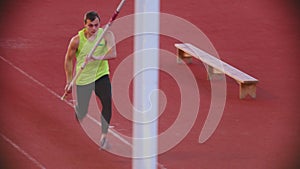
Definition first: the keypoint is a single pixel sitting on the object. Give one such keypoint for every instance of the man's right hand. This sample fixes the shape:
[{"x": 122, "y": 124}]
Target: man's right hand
[{"x": 68, "y": 88}]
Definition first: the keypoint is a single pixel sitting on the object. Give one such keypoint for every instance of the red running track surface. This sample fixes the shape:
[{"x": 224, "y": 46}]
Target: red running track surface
[{"x": 261, "y": 37}]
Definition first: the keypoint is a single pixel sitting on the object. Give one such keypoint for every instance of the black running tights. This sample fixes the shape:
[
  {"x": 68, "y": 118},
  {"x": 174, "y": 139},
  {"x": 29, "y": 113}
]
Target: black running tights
[{"x": 102, "y": 89}]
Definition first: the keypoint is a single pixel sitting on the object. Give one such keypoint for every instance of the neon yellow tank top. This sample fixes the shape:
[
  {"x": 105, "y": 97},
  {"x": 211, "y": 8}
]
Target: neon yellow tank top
[{"x": 95, "y": 69}]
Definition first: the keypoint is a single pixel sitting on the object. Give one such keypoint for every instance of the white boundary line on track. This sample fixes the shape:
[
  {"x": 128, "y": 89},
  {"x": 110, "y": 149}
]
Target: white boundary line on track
[
  {"x": 37, "y": 163},
  {"x": 57, "y": 95},
  {"x": 112, "y": 132},
  {"x": 70, "y": 104}
]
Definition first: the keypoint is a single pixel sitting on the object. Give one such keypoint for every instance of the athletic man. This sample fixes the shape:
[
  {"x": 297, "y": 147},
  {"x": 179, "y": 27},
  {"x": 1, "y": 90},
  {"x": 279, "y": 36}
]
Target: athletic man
[{"x": 95, "y": 75}]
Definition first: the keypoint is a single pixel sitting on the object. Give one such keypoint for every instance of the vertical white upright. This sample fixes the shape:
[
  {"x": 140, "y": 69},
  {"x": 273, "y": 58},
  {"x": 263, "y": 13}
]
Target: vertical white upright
[{"x": 146, "y": 65}]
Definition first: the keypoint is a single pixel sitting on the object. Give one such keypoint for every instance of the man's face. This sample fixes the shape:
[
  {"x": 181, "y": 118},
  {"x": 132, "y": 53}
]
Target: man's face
[{"x": 92, "y": 26}]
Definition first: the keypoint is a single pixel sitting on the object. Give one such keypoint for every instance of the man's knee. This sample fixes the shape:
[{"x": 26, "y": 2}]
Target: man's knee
[{"x": 80, "y": 113}]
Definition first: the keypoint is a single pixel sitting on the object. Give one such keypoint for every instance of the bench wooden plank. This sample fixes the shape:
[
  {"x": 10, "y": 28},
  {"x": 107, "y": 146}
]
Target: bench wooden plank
[{"x": 247, "y": 83}]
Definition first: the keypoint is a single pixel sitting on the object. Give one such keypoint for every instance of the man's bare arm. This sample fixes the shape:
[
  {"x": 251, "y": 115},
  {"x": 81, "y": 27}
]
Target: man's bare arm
[
  {"x": 69, "y": 58},
  {"x": 110, "y": 43}
]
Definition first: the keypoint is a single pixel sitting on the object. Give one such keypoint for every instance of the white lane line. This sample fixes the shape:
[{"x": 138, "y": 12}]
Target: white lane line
[
  {"x": 69, "y": 103},
  {"x": 54, "y": 93},
  {"x": 37, "y": 163},
  {"x": 112, "y": 132},
  {"x": 28, "y": 76}
]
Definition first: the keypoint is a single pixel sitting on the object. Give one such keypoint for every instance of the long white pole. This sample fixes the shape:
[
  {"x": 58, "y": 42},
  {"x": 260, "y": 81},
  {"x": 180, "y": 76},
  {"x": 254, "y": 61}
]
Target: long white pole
[{"x": 146, "y": 61}]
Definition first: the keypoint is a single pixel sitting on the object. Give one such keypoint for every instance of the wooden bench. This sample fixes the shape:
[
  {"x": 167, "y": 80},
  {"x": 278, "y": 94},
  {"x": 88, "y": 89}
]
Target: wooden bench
[{"x": 247, "y": 83}]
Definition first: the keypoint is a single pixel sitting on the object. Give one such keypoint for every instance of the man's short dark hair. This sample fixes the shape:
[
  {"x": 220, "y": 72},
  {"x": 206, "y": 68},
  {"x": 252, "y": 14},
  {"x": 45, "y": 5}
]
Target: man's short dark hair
[{"x": 91, "y": 15}]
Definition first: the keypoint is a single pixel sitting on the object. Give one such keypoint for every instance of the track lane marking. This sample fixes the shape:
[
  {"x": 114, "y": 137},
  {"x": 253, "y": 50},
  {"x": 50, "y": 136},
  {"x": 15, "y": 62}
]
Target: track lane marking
[
  {"x": 28, "y": 156},
  {"x": 70, "y": 104}
]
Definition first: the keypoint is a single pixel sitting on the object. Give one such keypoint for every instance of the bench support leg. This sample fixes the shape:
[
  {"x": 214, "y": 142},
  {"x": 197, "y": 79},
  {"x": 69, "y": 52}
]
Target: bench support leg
[
  {"x": 181, "y": 55},
  {"x": 213, "y": 73},
  {"x": 246, "y": 89}
]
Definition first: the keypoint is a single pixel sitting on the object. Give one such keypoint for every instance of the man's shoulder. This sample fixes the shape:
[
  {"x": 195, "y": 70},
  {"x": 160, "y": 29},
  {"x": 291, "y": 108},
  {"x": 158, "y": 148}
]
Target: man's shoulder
[{"x": 75, "y": 40}]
